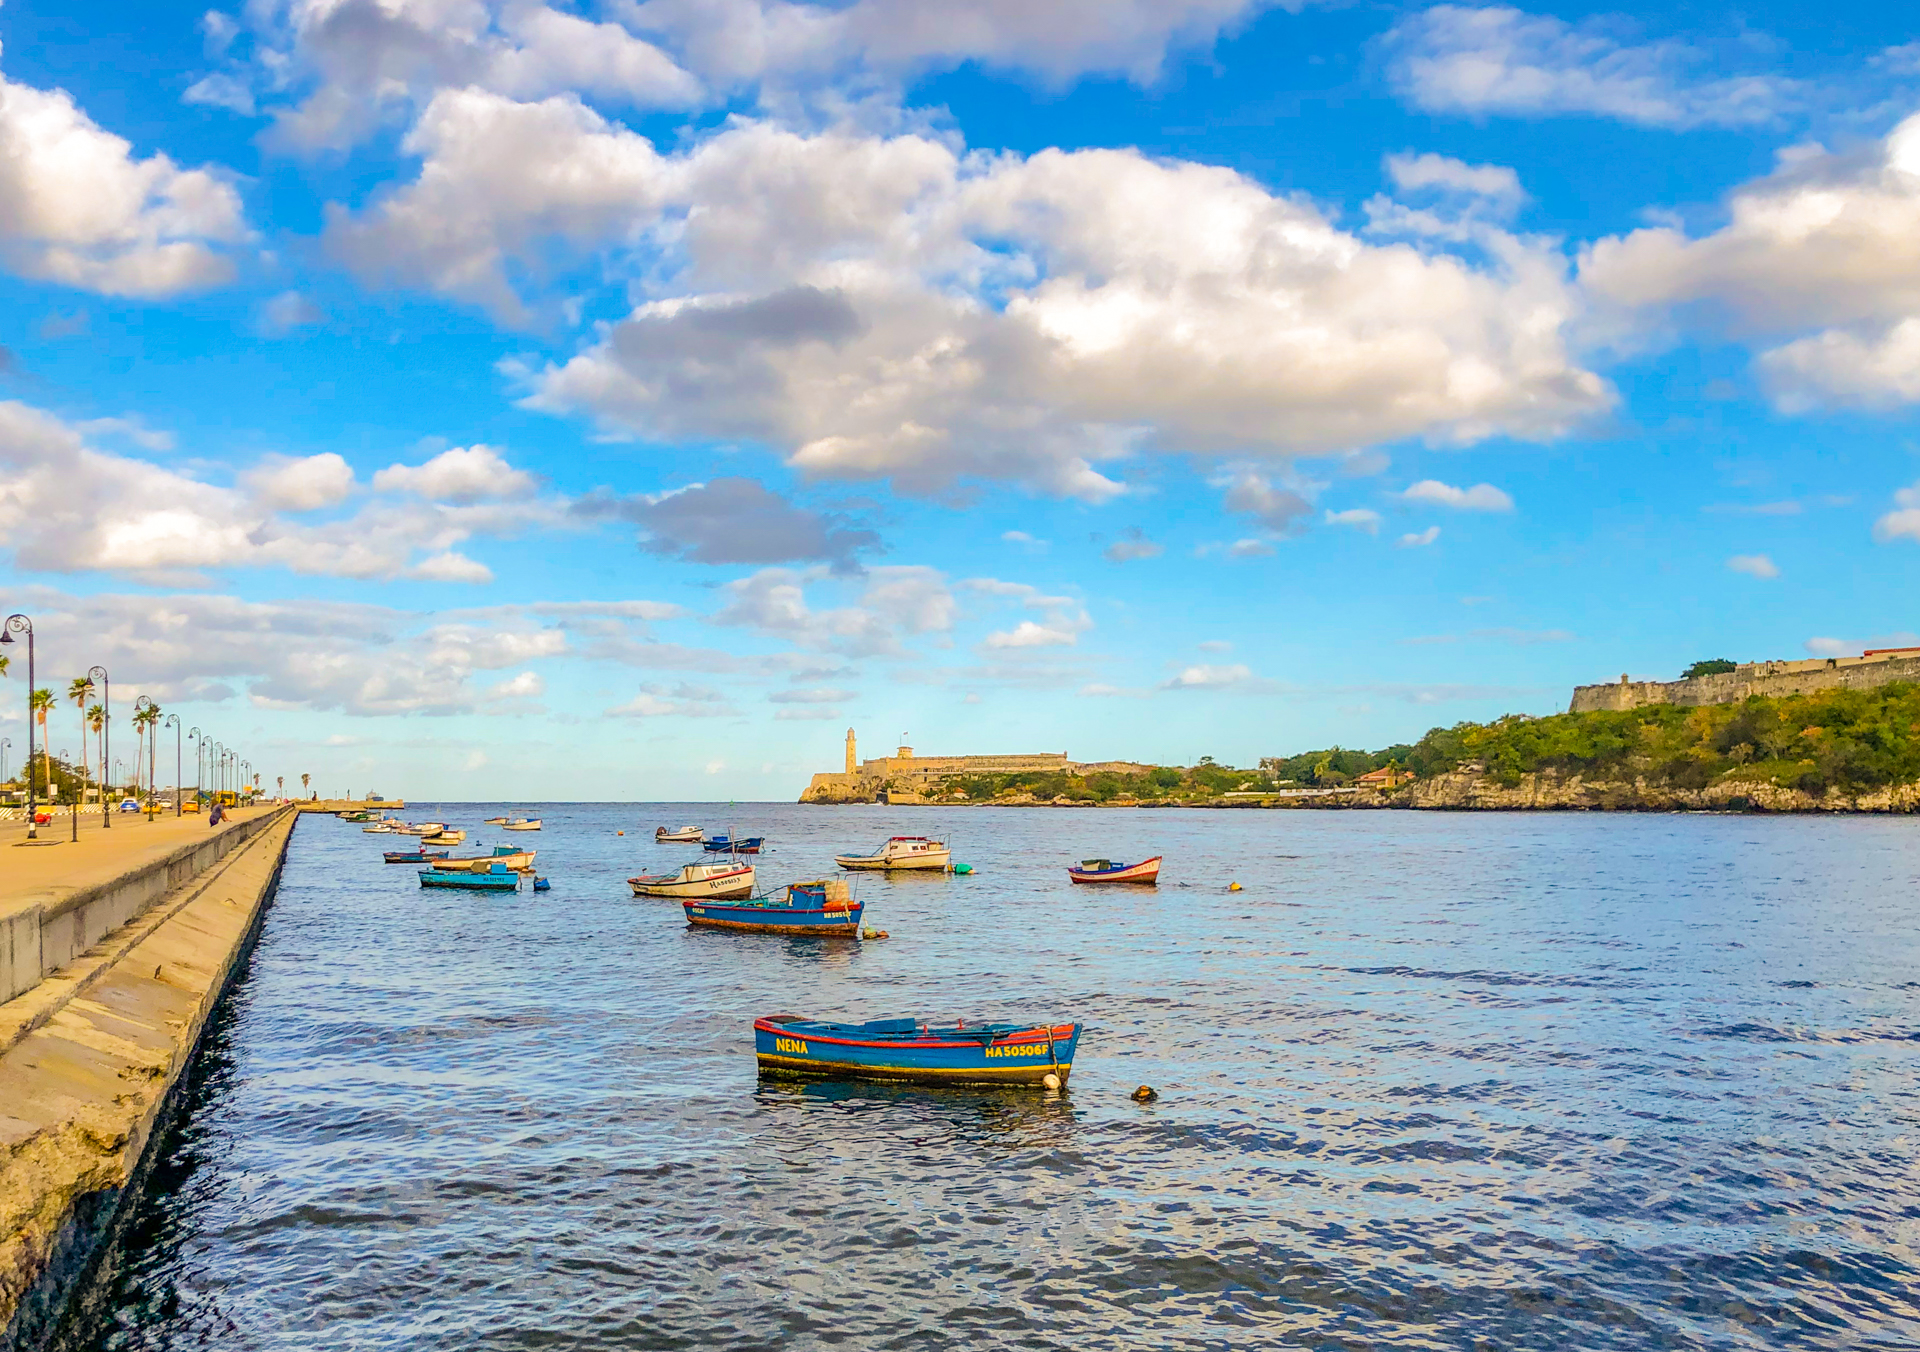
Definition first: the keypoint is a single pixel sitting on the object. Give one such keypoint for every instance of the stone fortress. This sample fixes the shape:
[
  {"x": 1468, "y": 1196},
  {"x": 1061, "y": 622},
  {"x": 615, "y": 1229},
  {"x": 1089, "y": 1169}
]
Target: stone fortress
[
  {"x": 1876, "y": 666},
  {"x": 906, "y": 778}
]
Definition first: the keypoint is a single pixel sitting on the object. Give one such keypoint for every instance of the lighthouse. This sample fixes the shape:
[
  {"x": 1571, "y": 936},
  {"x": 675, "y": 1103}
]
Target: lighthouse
[{"x": 850, "y": 760}]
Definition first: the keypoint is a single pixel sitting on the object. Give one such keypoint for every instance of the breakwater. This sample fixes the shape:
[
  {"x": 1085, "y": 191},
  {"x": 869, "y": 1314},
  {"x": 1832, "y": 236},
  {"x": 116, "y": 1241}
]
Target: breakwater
[{"x": 114, "y": 964}]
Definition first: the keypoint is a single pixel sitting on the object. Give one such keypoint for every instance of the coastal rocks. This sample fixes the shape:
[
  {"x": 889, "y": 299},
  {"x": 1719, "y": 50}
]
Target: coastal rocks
[{"x": 1468, "y": 790}]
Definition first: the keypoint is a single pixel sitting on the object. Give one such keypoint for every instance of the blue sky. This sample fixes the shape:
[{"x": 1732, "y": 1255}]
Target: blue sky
[{"x": 619, "y": 399}]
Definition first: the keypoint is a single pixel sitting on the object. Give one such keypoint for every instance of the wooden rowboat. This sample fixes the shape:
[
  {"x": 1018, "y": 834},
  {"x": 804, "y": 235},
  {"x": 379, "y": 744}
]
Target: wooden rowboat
[
  {"x": 522, "y": 825},
  {"x": 1107, "y": 871},
  {"x": 682, "y": 835},
  {"x": 905, "y": 1049},
  {"x": 416, "y": 856},
  {"x": 900, "y": 852},
  {"x": 825, "y": 908}
]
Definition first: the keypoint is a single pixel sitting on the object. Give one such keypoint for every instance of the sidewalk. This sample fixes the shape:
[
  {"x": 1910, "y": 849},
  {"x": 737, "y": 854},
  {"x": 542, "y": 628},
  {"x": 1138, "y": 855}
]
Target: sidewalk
[{"x": 101, "y": 853}]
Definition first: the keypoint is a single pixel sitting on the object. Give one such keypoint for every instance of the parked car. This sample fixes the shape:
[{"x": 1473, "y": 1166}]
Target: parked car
[{"x": 129, "y": 805}]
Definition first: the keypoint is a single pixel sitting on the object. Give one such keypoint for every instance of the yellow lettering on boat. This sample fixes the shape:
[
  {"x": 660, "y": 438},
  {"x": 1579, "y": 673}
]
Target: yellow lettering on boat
[
  {"x": 790, "y": 1044},
  {"x": 1016, "y": 1051}
]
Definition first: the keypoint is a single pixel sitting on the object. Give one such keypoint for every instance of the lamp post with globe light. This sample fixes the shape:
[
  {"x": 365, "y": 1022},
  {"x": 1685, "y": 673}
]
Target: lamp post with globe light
[
  {"x": 20, "y": 624},
  {"x": 98, "y": 675}
]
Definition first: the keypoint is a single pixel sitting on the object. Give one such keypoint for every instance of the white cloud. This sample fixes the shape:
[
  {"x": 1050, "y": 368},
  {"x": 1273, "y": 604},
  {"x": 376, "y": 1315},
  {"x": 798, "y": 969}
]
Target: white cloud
[
  {"x": 1236, "y": 676},
  {"x": 1279, "y": 509},
  {"x": 77, "y": 207},
  {"x": 527, "y": 685},
  {"x": 1479, "y": 498},
  {"x": 818, "y": 694},
  {"x": 1028, "y": 634},
  {"x": 302, "y": 485},
  {"x": 1133, "y": 545},
  {"x": 1028, "y": 319},
  {"x": 1495, "y": 184},
  {"x": 1418, "y": 539},
  {"x": 1824, "y": 253},
  {"x": 681, "y": 701},
  {"x": 1360, "y": 518},
  {"x": 450, "y": 566},
  {"x": 1754, "y": 565},
  {"x": 898, "y": 600},
  {"x": 465, "y": 474},
  {"x": 1215, "y": 645},
  {"x": 1903, "y": 522},
  {"x": 1062, "y": 621},
  {"x": 289, "y": 311},
  {"x": 1496, "y": 59},
  {"x": 1097, "y": 690}
]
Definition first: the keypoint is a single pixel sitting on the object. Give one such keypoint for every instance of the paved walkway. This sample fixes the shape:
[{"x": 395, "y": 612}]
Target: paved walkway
[{"x": 100, "y": 853}]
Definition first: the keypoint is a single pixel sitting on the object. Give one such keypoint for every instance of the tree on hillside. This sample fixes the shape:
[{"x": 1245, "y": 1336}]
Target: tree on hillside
[{"x": 1713, "y": 666}]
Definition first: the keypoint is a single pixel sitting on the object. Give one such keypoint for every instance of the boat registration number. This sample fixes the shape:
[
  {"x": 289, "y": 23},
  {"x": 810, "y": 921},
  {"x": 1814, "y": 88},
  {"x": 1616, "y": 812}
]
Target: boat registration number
[
  {"x": 1015, "y": 1051},
  {"x": 790, "y": 1044}
]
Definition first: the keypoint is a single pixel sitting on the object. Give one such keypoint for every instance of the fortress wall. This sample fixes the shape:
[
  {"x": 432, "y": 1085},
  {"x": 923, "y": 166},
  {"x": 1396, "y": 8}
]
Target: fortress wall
[{"x": 1750, "y": 678}]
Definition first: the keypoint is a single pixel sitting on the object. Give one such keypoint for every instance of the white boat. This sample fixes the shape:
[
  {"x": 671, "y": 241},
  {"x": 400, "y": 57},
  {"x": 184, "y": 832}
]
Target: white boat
[
  {"x": 421, "y": 829},
  {"x": 381, "y": 829},
  {"x": 721, "y": 880},
  {"x": 520, "y": 861},
  {"x": 498, "y": 821},
  {"x": 688, "y": 835},
  {"x": 900, "y": 852},
  {"x": 523, "y": 824},
  {"x": 445, "y": 838}
]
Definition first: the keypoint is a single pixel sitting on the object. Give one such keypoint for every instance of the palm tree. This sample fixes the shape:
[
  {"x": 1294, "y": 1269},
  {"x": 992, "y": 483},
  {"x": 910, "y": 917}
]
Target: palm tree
[
  {"x": 304, "y": 779},
  {"x": 78, "y": 690},
  {"x": 143, "y": 723},
  {"x": 38, "y": 703},
  {"x": 97, "y": 720}
]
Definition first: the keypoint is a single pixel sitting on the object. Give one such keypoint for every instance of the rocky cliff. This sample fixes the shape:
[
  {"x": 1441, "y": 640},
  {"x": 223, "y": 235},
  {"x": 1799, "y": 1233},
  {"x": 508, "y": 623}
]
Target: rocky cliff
[{"x": 1470, "y": 790}]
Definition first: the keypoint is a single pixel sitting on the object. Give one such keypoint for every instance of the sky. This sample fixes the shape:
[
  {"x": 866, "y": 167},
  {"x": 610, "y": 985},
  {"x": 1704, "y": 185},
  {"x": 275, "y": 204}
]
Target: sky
[{"x": 618, "y": 399}]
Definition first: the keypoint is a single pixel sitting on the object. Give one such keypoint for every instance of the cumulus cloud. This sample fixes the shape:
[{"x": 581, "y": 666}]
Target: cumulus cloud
[
  {"x": 1477, "y": 60},
  {"x": 1209, "y": 676},
  {"x": 288, "y": 311},
  {"x": 734, "y": 520},
  {"x": 1062, "y": 619},
  {"x": 679, "y": 701},
  {"x": 1419, "y": 539},
  {"x": 1134, "y": 544},
  {"x": 1279, "y": 509},
  {"x": 66, "y": 506},
  {"x": 1903, "y": 522},
  {"x": 78, "y": 208},
  {"x": 1754, "y": 565},
  {"x": 465, "y": 474},
  {"x": 1495, "y": 184},
  {"x": 1824, "y": 253},
  {"x": 1479, "y": 498},
  {"x": 897, "y": 600},
  {"x": 1360, "y": 518},
  {"x": 1033, "y": 319}
]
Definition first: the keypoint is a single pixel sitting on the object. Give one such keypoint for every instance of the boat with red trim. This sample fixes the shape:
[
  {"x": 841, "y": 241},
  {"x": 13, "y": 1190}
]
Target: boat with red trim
[
  {"x": 416, "y": 856},
  {"x": 900, "y": 852},
  {"x": 906, "y": 1049},
  {"x": 716, "y": 880},
  {"x": 1108, "y": 871},
  {"x": 823, "y": 907}
]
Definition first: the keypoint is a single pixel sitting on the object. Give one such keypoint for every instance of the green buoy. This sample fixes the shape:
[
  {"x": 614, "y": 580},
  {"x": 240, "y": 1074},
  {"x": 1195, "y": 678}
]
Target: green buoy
[{"x": 963, "y": 868}]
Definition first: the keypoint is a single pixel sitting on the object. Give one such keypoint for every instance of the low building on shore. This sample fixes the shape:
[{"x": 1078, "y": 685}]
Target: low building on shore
[{"x": 906, "y": 778}]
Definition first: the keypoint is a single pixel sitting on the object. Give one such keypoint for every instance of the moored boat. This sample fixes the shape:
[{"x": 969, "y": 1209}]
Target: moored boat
[
  {"x": 420, "y": 828},
  {"x": 381, "y": 829},
  {"x": 497, "y": 879},
  {"x": 823, "y": 907},
  {"x": 726, "y": 844},
  {"x": 900, "y": 852},
  {"x": 716, "y": 879},
  {"x": 437, "y": 858},
  {"x": 689, "y": 835},
  {"x": 498, "y": 821},
  {"x": 444, "y": 838},
  {"x": 520, "y": 861},
  {"x": 1108, "y": 871},
  {"x": 905, "y": 1049},
  {"x": 521, "y": 824}
]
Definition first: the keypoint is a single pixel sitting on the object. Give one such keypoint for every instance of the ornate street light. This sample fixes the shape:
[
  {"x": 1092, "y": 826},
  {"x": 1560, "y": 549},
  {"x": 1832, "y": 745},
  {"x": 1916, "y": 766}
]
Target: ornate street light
[
  {"x": 173, "y": 721},
  {"x": 20, "y": 624},
  {"x": 99, "y": 676}
]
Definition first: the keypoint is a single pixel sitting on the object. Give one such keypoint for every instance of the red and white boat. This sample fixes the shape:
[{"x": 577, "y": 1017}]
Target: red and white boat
[
  {"x": 1107, "y": 871},
  {"x": 718, "y": 881}
]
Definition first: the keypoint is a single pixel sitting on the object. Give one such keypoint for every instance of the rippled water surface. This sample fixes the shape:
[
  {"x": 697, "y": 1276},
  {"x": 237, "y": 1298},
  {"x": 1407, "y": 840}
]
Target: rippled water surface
[{"x": 1429, "y": 1081}]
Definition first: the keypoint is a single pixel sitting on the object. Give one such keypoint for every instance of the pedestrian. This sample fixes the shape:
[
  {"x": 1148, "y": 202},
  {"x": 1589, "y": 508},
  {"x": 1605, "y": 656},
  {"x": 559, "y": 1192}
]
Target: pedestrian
[{"x": 218, "y": 815}]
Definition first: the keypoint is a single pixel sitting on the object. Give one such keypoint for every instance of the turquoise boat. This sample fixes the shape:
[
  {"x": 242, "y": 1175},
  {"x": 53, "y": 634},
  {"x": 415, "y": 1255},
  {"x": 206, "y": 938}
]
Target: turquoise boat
[
  {"x": 499, "y": 878},
  {"x": 906, "y": 1049}
]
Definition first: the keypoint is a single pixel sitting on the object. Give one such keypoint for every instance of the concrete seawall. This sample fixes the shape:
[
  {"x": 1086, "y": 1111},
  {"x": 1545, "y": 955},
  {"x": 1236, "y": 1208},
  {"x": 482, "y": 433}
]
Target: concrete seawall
[{"x": 92, "y": 1052}]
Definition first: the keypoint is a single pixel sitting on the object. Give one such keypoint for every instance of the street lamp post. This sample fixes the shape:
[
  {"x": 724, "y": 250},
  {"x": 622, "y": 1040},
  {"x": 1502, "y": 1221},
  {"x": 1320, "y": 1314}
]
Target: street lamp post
[
  {"x": 199, "y": 743},
  {"x": 99, "y": 674},
  {"x": 173, "y": 721},
  {"x": 5, "y": 742},
  {"x": 20, "y": 624},
  {"x": 74, "y": 826}
]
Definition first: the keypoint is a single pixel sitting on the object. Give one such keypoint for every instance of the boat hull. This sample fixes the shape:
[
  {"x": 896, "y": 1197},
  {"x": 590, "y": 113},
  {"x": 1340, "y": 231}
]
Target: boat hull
[
  {"x": 693, "y": 837},
  {"x": 723, "y": 845},
  {"x": 416, "y": 857},
  {"x": 520, "y": 826},
  {"x": 1025, "y": 1057},
  {"x": 876, "y": 864},
  {"x": 730, "y": 886},
  {"x": 1147, "y": 871},
  {"x": 518, "y": 860},
  {"x": 761, "y": 918},
  {"x": 480, "y": 882}
]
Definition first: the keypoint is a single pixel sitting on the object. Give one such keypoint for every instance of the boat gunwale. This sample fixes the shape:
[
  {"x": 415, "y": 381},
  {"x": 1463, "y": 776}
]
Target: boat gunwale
[{"x": 1038, "y": 1036}]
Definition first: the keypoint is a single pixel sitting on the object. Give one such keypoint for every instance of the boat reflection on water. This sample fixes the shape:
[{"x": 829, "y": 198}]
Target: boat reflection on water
[{"x": 919, "y": 1114}]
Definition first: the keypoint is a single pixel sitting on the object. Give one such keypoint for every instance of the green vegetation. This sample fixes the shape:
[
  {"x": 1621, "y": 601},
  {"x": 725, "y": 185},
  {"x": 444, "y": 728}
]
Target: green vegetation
[
  {"x": 1713, "y": 666},
  {"x": 1168, "y": 783}
]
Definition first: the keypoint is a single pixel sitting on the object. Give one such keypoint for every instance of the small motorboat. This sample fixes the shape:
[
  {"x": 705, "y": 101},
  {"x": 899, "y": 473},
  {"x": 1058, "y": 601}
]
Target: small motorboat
[
  {"x": 520, "y": 861},
  {"x": 1108, "y": 871},
  {"x": 521, "y": 824},
  {"x": 498, "y": 821},
  {"x": 906, "y": 1049},
  {"x": 416, "y": 856},
  {"x": 715, "y": 879},
  {"x": 360, "y": 816},
  {"x": 684, "y": 835},
  {"x": 381, "y": 829},
  {"x": 420, "y": 828},
  {"x": 445, "y": 838},
  {"x": 900, "y": 852},
  {"x": 499, "y": 878},
  {"x": 823, "y": 907},
  {"x": 733, "y": 845}
]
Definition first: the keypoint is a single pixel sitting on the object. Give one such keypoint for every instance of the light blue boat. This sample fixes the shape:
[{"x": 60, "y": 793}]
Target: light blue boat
[
  {"x": 905, "y": 1049},
  {"x": 498, "y": 878}
]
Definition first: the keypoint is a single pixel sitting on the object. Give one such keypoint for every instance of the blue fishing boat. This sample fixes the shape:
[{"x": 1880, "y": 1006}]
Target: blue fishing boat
[
  {"x": 414, "y": 856},
  {"x": 499, "y": 878},
  {"x": 825, "y": 907},
  {"x": 905, "y": 1049},
  {"x": 730, "y": 845}
]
